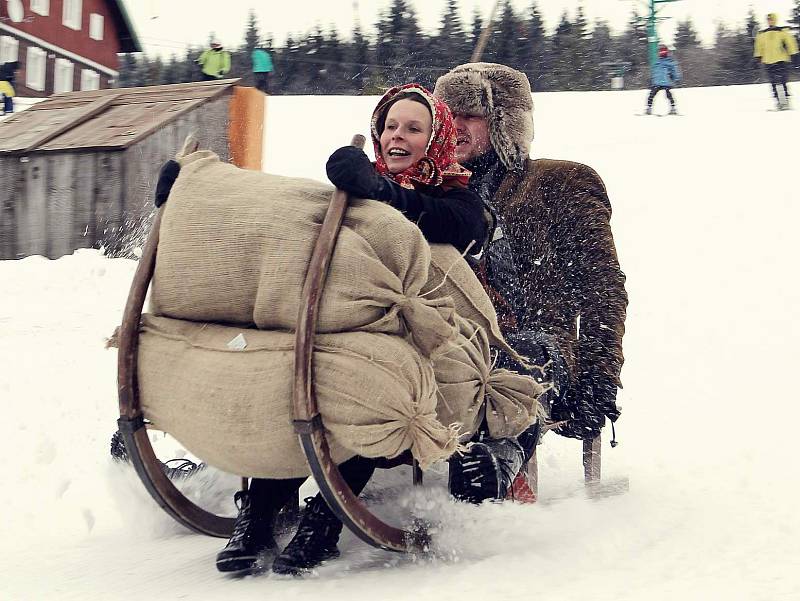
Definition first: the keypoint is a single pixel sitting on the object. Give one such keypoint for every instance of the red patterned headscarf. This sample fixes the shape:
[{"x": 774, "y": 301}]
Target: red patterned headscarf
[{"x": 438, "y": 167}]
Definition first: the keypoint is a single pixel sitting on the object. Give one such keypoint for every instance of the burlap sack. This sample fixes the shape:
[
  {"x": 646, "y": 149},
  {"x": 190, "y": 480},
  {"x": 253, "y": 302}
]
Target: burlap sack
[
  {"x": 232, "y": 408},
  {"x": 235, "y": 246},
  {"x": 469, "y": 388}
]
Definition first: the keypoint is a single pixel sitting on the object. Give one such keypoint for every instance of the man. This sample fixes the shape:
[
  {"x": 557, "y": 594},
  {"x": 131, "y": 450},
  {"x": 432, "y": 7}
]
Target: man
[
  {"x": 665, "y": 76},
  {"x": 551, "y": 256},
  {"x": 776, "y": 49},
  {"x": 214, "y": 62},
  {"x": 262, "y": 68}
]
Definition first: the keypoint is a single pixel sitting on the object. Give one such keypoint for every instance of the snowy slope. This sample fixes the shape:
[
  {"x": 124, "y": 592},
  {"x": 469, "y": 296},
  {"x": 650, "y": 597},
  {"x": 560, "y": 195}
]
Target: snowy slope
[{"x": 705, "y": 213}]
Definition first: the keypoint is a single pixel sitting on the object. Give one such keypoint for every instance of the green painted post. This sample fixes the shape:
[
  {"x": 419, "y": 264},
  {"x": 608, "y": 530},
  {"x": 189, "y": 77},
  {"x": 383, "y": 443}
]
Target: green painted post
[{"x": 652, "y": 34}]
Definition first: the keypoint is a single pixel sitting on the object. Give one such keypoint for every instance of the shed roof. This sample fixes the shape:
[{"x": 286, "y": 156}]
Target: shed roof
[{"x": 110, "y": 119}]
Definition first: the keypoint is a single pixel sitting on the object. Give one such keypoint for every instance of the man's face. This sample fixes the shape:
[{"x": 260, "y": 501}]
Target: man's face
[{"x": 472, "y": 137}]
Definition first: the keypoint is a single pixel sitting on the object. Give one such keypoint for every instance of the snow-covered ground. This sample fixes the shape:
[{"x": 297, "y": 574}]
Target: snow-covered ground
[{"x": 705, "y": 217}]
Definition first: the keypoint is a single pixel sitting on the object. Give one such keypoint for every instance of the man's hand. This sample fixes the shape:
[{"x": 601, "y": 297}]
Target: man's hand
[
  {"x": 166, "y": 177},
  {"x": 349, "y": 169},
  {"x": 756, "y": 62}
]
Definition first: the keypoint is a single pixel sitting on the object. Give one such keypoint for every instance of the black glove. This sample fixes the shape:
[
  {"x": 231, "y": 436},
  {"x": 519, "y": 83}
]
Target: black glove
[
  {"x": 349, "y": 169},
  {"x": 166, "y": 177},
  {"x": 756, "y": 63}
]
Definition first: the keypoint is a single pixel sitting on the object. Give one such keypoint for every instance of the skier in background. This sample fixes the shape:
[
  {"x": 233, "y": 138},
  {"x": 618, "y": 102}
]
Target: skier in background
[
  {"x": 665, "y": 76},
  {"x": 262, "y": 68},
  {"x": 214, "y": 62},
  {"x": 776, "y": 49}
]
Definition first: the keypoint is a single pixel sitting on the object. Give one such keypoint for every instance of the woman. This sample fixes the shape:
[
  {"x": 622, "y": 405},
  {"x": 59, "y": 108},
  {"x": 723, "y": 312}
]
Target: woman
[{"x": 415, "y": 171}]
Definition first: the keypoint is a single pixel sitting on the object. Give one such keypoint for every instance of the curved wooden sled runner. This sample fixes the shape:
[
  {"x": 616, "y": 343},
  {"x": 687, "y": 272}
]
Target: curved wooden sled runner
[{"x": 307, "y": 420}]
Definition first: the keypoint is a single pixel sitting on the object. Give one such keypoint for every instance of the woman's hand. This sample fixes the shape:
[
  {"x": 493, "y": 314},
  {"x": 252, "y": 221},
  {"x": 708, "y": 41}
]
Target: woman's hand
[
  {"x": 349, "y": 169},
  {"x": 166, "y": 177}
]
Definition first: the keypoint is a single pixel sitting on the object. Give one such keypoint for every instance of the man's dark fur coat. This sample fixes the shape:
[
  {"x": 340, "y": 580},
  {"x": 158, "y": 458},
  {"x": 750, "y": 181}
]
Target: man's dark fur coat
[{"x": 556, "y": 216}]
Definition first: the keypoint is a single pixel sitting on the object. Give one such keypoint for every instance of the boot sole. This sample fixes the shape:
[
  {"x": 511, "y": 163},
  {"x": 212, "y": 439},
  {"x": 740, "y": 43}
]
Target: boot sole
[
  {"x": 243, "y": 565},
  {"x": 240, "y": 566},
  {"x": 285, "y": 568}
]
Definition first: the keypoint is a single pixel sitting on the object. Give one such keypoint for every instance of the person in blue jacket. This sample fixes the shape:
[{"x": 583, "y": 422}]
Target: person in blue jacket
[
  {"x": 262, "y": 68},
  {"x": 665, "y": 76}
]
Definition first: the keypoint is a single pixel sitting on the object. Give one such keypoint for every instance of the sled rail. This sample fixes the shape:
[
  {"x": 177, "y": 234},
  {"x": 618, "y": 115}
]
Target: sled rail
[
  {"x": 131, "y": 419},
  {"x": 307, "y": 420}
]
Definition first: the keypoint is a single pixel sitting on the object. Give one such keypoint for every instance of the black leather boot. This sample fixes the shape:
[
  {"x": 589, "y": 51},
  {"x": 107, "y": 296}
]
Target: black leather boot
[
  {"x": 251, "y": 539},
  {"x": 314, "y": 542},
  {"x": 486, "y": 470}
]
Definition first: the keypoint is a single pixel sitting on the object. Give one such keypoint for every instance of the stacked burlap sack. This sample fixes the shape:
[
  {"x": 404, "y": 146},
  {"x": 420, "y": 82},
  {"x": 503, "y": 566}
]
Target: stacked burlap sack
[{"x": 216, "y": 356}]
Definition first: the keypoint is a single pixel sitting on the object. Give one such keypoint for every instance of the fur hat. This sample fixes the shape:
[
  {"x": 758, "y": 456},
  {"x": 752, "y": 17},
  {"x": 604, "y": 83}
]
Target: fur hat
[{"x": 500, "y": 94}]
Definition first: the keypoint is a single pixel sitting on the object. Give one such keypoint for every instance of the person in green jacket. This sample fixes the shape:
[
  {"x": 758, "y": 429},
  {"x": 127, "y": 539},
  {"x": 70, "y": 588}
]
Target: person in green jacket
[
  {"x": 776, "y": 49},
  {"x": 214, "y": 62},
  {"x": 262, "y": 68}
]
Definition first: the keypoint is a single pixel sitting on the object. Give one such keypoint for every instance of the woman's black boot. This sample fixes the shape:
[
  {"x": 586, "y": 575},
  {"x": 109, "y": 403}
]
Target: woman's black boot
[
  {"x": 314, "y": 542},
  {"x": 251, "y": 539}
]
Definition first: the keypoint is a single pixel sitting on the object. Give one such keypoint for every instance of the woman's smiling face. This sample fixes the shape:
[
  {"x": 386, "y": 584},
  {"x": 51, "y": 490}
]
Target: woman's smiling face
[{"x": 406, "y": 134}]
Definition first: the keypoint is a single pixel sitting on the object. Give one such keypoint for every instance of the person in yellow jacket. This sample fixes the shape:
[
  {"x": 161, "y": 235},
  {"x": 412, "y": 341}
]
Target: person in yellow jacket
[
  {"x": 776, "y": 49},
  {"x": 214, "y": 62},
  {"x": 7, "y": 73}
]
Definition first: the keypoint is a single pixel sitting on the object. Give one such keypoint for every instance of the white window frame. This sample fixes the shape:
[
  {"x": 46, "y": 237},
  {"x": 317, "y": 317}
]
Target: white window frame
[
  {"x": 96, "y": 25},
  {"x": 90, "y": 79},
  {"x": 9, "y": 49},
  {"x": 64, "y": 79},
  {"x": 72, "y": 15},
  {"x": 41, "y": 7},
  {"x": 36, "y": 68}
]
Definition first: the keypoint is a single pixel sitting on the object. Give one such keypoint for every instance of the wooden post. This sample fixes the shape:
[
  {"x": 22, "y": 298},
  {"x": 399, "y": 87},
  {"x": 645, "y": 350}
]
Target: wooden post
[
  {"x": 484, "y": 37},
  {"x": 533, "y": 473},
  {"x": 246, "y": 127},
  {"x": 591, "y": 460}
]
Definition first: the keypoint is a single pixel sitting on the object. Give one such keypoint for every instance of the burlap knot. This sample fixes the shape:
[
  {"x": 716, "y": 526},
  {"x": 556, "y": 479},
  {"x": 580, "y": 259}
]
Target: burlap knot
[
  {"x": 428, "y": 322},
  {"x": 469, "y": 387},
  {"x": 398, "y": 428},
  {"x": 512, "y": 401}
]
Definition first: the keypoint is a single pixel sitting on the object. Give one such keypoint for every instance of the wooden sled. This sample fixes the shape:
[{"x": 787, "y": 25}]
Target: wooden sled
[{"x": 307, "y": 420}]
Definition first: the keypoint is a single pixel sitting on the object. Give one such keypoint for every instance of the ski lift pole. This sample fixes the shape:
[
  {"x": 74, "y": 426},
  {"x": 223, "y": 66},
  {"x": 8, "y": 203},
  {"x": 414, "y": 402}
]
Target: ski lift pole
[
  {"x": 483, "y": 39},
  {"x": 652, "y": 33}
]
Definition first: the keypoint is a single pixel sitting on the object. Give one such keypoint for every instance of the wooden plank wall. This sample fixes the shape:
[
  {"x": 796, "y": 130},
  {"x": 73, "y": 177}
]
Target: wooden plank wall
[
  {"x": 142, "y": 162},
  {"x": 55, "y": 202},
  {"x": 9, "y": 180},
  {"x": 31, "y": 207}
]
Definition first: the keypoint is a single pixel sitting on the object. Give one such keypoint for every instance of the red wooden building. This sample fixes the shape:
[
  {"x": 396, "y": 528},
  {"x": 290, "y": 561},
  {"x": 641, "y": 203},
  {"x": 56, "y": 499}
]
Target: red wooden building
[{"x": 65, "y": 45}]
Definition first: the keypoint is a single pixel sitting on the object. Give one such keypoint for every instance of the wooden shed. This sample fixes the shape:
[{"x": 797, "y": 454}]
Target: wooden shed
[{"x": 79, "y": 170}]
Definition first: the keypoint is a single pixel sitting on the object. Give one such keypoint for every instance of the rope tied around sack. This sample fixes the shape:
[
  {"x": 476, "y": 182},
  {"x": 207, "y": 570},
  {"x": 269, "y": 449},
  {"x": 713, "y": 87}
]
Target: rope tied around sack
[{"x": 429, "y": 323}]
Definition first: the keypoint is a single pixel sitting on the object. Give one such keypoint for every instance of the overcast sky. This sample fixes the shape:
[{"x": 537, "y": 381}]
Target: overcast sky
[{"x": 166, "y": 26}]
